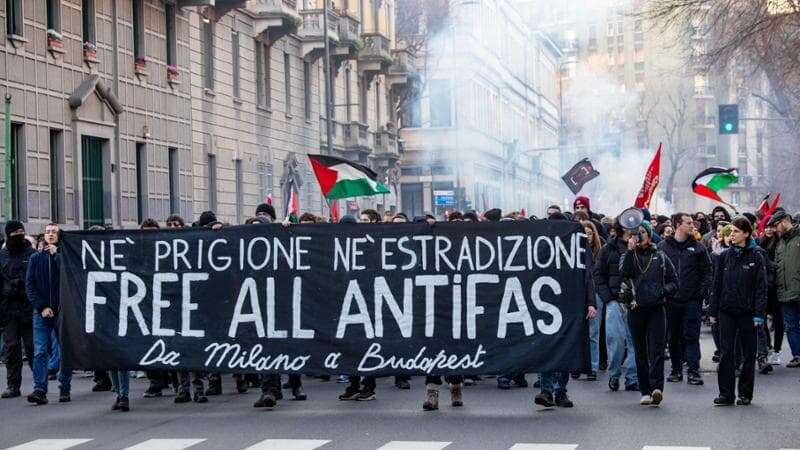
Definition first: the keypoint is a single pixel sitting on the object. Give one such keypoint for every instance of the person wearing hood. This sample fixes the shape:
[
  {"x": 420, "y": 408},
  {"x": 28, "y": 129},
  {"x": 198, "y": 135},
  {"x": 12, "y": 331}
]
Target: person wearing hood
[
  {"x": 718, "y": 214},
  {"x": 738, "y": 303},
  {"x": 684, "y": 309},
  {"x": 649, "y": 280},
  {"x": 582, "y": 203},
  {"x": 15, "y": 308}
]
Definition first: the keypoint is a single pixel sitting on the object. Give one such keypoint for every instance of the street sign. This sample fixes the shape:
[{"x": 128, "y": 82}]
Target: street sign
[{"x": 444, "y": 198}]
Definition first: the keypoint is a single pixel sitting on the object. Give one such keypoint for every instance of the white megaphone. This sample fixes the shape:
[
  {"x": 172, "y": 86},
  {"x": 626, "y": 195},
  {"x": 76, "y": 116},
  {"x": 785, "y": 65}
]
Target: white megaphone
[{"x": 631, "y": 219}]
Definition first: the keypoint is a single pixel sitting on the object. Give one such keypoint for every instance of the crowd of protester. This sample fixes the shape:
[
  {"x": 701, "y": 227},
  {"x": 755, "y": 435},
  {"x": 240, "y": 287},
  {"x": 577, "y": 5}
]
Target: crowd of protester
[{"x": 654, "y": 287}]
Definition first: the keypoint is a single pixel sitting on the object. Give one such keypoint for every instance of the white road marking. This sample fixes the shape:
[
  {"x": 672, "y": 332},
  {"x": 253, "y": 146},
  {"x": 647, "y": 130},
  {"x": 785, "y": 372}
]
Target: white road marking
[
  {"x": 50, "y": 444},
  {"x": 288, "y": 444},
  {"x": 166, "y": 444}
]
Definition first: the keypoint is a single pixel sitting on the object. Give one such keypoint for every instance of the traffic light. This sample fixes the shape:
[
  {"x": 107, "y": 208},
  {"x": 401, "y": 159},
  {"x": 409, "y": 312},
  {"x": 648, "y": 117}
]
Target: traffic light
[{"x": 728, "y": 119}]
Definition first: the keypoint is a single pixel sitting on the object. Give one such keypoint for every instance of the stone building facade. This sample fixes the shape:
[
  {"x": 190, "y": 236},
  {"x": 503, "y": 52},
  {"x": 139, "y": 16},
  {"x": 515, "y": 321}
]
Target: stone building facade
[{"x": 128, "y": 109}]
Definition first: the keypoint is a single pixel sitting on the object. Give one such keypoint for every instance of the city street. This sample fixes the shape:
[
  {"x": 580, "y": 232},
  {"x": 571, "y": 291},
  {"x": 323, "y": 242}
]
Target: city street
[{"x": 490, "y": 419}]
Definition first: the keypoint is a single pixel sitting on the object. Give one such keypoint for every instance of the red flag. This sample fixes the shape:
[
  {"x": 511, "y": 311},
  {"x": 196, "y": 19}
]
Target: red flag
[
  {"x": 650, "y": 183},
  {"x": 768, "y": 214},
  {"x": 268, "y": 200},
  {"x": 292, "y": 206},
  {"x": 335, "y": 211},
  {"x": 763, "y": 208},
  {"x": 523, "y": 213}
]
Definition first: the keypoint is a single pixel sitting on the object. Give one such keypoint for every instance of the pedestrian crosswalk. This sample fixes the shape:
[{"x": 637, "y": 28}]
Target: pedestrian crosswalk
[{"x": 294, "y": 444}]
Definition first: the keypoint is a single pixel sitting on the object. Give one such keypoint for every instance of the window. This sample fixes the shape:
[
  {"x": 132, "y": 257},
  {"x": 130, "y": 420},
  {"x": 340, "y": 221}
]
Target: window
[
  {"x": 236, "y": 63},
  {"x": 141, "y": 181},
  {"x": 56, "y": 176},
  {"x": 174, "y": 181},
  {"x": 208, "y": 54},
  {"x": 439, "y": 97},
  {"x": 138, "y": 29},
  {"x": 14, "y": 17},
  {"x": 377, "y": 104},
  {"x": 348, "y": 94},
  {"x": 54, "y": 15},
  {"x": 16, "y": 182},
  {"x": 265, "y": 180},
  {"x": 87, "y": 15},
  {"x": 263, "y": 85},
  {"x": 172, "y": 44},
  {"x": 362, "y": 100},
  {"x": 239, "y": 189},
  {"x": 287, "y": 81},
  {"x": 307, "y": 89},
  {"x": 211, "y": 176}
]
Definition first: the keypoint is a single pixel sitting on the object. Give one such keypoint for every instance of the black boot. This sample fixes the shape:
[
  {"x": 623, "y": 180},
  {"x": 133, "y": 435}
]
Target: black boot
[{"x": 124, "y": 404}]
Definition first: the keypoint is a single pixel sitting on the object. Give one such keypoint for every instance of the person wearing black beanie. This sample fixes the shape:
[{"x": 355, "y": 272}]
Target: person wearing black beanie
[
  {"x": 15, "y": 308},
  {"x": 266, "y": 209}
]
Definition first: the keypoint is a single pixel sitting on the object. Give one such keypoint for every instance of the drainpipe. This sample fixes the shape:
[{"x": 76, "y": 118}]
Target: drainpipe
[{"x": 116, "y": 215}]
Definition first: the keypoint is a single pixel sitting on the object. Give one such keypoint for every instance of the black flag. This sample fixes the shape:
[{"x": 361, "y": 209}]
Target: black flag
[{"x": 580, "y": 174}]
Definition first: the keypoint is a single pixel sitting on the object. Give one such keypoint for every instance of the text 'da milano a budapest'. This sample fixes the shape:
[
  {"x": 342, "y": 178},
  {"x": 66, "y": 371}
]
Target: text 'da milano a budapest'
[{"x": 451, "y": 298}]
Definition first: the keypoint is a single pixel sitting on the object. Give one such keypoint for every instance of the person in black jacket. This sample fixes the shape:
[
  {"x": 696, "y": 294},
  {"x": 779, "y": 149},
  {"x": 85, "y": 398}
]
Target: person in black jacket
[
  {"x": 607, "y": 282},
  {"x": 684, "y": 311},
  {"x": 15, "y": 308},
  {"x": 650, "y": 280},
  {"x": 738, "y": 303}
]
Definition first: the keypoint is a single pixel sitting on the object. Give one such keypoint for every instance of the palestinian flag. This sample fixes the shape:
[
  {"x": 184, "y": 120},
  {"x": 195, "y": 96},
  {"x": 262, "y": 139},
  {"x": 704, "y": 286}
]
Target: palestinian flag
[
  {"x": 339, "y": 178},
  {"x": 712, "y": 180}
]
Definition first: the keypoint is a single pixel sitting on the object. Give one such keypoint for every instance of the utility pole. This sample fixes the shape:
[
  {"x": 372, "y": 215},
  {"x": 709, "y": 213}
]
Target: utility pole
[{"x": 327, "y": 70}]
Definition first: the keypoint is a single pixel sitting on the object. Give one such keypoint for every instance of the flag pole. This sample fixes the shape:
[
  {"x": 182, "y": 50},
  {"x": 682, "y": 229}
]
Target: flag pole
[{"x": 9, "y": 196}]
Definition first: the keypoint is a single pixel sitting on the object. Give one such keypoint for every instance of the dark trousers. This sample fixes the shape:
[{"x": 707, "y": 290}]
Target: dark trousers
[
  {"x": 729, "y": 327},
  {"x": 683, "y": 320},
  {"x": 367, "y": 382},
  {"x": 187, "y": 379},
  {"x": 436, "y": 379},
  {"x": 17, "y": 338},
  {"x": 101, "y": 377},
  {"x": 270, "y": 383},
  {"x": 648, "y": 329}
]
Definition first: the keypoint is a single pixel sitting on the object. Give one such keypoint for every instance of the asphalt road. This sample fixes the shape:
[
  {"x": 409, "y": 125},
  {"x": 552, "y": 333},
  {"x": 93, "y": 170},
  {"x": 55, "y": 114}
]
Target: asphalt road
[{"x": 490, "y": 419}]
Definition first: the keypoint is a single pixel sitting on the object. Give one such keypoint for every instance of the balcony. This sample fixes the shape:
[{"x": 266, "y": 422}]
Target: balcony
[
  {"x": 337, "y": 135},
  {"x": 349, "y": 39},
  {"x": 212, "y": 9},
  {"x": 376, "y": 56},
  {"x": 356, "y": 137},
  {"x": 386, "y": 149},
  {"x": 312, "y": 32},
  {"x": 403, "y": 72},
  {"x": 274, "y": 18}
]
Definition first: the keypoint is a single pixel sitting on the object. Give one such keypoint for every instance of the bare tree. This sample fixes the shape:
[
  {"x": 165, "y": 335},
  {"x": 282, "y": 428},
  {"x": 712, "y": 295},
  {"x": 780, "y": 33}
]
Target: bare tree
[
  {"x": 764, "y": 37},
  {"x": 673, "y": 127}
]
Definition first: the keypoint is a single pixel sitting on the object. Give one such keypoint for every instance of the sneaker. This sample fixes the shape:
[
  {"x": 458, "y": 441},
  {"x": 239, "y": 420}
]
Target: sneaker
[
  {"x": 199, "y": 397},
  {"x": 520, "y": 381},
  {"x": 10, "y": 393},
  {"x": 743, "y": 401},
  {"x": 124, "y": 404},
  {"x": 456, "y": 398},
  {"x": 183, "y": 397},
  {"x": 101, "y": 386},
  {"x": 63, "y": 397},
  {"x": 562, "y": 401},
  {"x": 675, "y": 377},
  {"x": 366, "y": 395},
  {"x": 350, "y": 393},
  {"x": 764, "y": 367},
  {"x": 503, "y": 383},
  {"x": 723, "y": 401},
  {"x": 632, "y": 387},
  {"x": 298, "y": 393},
  {"x": 343, "y": 379},
  {"x": 657, "y": 396},
  {"x": 613, "y": 384},
  {"x": 592, "y": 376},
  {"x": 794, "y": 363},
  {"x": 646, "y": 400},
  {"x": 544, "y": 399},
  {"x": 265, "y": 401},
  {"x": 694, "y": 379},
  {"x": 241, "y": 385},
  {"x": 774, "y": 357},
  {"x": 38, "y": 398},
  {"x": 432, "y": 399},
  {"x": 152, "y": 392}
]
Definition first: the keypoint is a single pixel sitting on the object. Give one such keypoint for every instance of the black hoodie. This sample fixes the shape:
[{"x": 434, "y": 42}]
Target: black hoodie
[{"x": 692, "y": 267}]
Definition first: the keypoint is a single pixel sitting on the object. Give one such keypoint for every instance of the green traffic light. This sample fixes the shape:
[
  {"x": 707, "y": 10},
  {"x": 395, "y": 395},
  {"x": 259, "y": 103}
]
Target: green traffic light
[{"x": 728, "y": 126}]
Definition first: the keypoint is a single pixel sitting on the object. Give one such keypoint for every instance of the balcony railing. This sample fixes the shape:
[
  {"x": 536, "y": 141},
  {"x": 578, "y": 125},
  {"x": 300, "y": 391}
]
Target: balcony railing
[
  {"x": 272, "y": 6},
  {"x": 349, "y": 30},
  {"x": 386, "y": 145},
  {"x": 376, "y": 46},
  {"x": 355, "y": 136},
  {"x": 312, "y": 27}
]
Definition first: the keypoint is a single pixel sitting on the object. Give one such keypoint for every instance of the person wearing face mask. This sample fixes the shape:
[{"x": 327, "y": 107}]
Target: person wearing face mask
[
  {"x": 738, "y": 303},
  {"x": 650, "y": 281},
  {"x": 15, "y": 308}
]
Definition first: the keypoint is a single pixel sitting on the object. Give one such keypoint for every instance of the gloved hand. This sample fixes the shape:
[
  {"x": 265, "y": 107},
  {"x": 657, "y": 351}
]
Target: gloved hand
[{"x": 758, "y": 321}]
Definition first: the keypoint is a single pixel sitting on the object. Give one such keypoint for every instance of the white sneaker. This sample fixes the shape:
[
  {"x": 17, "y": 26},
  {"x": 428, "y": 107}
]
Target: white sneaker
[
  {"x": 774, "y": 358},
  {"x": 646, "y": 400}
]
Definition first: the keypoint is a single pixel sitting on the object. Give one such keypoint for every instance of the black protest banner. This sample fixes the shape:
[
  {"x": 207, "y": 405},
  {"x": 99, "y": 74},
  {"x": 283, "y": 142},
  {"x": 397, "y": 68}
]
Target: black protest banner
[{"x": 452, "y": 298}]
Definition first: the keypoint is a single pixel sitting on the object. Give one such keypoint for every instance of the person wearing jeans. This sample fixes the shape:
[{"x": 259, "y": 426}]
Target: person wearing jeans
[
  {"x": 787, "y": 279},
  {"x": 618, "y": 339},
  {"x": 594, "y": 340},
  {"x": 121, "y": 381},
  {"x": 42, "y": 287}
]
